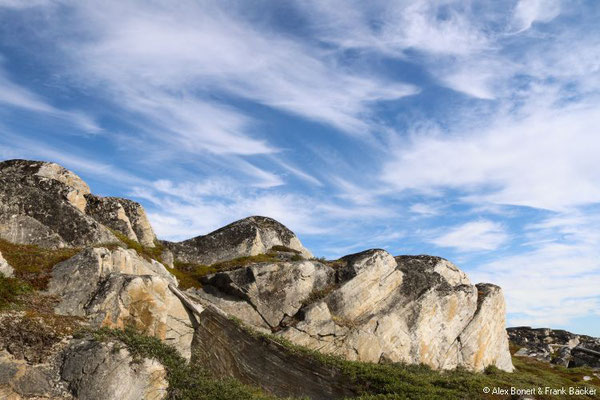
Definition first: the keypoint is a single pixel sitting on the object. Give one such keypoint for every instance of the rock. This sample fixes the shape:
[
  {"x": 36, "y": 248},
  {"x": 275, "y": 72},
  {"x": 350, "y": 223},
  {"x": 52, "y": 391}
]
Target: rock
[
  {"x": 106, "y": 371},
  {"x": 146, "y": 303},
  {"x": 116, "y": 288},
  {"x": 230, "y": 351},
  {"x": 76, "y": 280},
  {"x": 5, "y": 268},
  {"x": 483, "y": 341},
  {"x": 246, "y": 237},
  {"x": 274, "y": 290},
  {"x": 41, "y": 203},
  {"x": 373, "y": 307},
  {"x": 122, "y": 215},
  {"x": 556, "y": 346},
  {"x": 21, "y": 380}
]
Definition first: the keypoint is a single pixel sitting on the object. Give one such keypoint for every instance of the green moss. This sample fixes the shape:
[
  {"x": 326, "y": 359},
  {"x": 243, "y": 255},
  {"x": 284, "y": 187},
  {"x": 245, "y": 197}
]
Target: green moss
[
  {"x": 10, "y": 291},
  {"x": 186, "y": 381},
  {"x": 33, "y": 264}
]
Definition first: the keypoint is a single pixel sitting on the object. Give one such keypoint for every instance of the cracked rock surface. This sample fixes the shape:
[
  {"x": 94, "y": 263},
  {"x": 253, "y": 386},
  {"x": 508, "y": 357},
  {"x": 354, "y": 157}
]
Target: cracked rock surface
[{"x": 371, "y": 307}]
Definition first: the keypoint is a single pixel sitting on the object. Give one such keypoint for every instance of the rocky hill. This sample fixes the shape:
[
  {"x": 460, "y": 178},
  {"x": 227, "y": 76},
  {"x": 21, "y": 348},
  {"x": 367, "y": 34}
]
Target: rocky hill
[{"x": 93, "y": 306}]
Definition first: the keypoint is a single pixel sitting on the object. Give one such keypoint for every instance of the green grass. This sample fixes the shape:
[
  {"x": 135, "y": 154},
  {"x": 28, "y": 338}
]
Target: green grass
[
  {"x": 186, "y": 381},
  {"x": 33, "y": 264},
  {"x": 285, "y": 249},
  {"x": 10, "y": 291},
  {"x": 403, "y": 381}
]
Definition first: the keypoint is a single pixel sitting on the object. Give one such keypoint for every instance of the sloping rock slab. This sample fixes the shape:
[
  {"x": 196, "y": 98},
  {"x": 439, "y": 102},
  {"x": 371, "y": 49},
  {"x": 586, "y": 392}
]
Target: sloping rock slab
[{"x": 230, "y": 351}]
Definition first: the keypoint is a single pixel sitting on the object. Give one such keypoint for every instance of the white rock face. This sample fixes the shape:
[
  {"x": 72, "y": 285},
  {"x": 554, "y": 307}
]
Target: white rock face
[
  {"x": 374, "y": 307},
  {"x": 247, "y": 237},
  {"x": 5, "y": 268},
  {"x": 106, "y": 371},
  {"x": 78, "y": 188},
  {"x": 117, "y": 288}
]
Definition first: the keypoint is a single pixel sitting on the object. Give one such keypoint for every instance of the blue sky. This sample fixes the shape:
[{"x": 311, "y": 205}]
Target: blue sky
[{"x": 465, "y": 129}]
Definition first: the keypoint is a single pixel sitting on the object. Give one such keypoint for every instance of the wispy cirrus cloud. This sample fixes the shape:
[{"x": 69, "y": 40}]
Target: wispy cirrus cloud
[{"x": 480, "y": 235}]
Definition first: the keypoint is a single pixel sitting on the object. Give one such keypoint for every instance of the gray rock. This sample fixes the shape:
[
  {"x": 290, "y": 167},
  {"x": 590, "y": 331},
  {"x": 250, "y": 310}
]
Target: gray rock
[
  {"x": 5, "y": 268},
  {"x": 373, "y": 307},
  {"x": 106, "y": 371},
  {"x": 116, "y": 288},
  {"x": 122, "y": 215},
  {"x": 41, "y": 203},
  {"x": 556, "y": 346},
  {"x": 246, "y": 237}
]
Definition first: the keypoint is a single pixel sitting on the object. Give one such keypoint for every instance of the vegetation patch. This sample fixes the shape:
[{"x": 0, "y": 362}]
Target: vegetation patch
[
  {"x": 318, "y": 294},
  {"x": 146, "y": 252},
  {"x": 285, "y": 249},
  {"x": 190, "y": 274},
  {"x": 11, "y": 290},
  {"x": 33, "y": 264},
  {"x": 186, "y": 381}
]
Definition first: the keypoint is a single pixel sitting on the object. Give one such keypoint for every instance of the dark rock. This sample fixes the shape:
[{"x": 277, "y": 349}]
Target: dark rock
[{"x": 230, "y": 351}]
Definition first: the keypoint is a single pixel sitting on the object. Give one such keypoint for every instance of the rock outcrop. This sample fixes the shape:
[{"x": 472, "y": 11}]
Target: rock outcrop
[
  {"x": 5, "y": 268},
  {"x": 106, "y": 371},
  {"x": 556, "y": 346},
  {"x": 83, "y": 370},
  {"x": 122, "y": 215},
  {"x": 371, "y": 307},
  {"x": 247, "y": 237},
  {"x": 41, "y": 203},
  {"x": 229, "y": 350},
  {"x": 45, "y": 204},
  {"x": 117, "y": 288}
]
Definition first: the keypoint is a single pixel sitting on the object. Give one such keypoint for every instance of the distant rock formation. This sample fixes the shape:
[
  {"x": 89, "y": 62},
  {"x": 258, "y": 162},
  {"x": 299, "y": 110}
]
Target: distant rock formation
[
  {"x": 247, "y": 237},
  {"x": 372, "y": 307},
  {"x": 556, "y": 346}
]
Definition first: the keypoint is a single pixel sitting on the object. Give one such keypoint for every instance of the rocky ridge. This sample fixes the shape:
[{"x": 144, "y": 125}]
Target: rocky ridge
[
  {"x": 556, "y": 346},
  {"x": 368, "y": 306}
]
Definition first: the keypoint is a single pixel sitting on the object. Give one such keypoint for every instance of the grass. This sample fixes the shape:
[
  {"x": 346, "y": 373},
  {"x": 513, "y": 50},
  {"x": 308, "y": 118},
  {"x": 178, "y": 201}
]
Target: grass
[
  {"x": 33, "y": 264},
  {"x": 11, "y": 289},
  {"x": 318, "y": 294},
  {"x": 403, "y": 381},
  {"x": 186, "y": 381}
]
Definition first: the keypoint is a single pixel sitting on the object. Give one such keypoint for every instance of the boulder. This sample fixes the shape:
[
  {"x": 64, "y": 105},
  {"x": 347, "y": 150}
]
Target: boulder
[
  {"x": 247, "y": 237},
  {"x": 107, "y": 371},
  {"x": 117, "y": 288},
  {"x": 42, "y": 203},
  {"x": 5, "y": 268},
  {"x": 122, "y": 215},
  {"x": 371, "y": 307}
]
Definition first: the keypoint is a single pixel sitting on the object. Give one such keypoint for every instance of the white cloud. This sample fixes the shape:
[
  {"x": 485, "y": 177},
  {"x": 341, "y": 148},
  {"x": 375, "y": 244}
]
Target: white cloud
[
  {"x": 527, "y": 12},
  {"x": 424, "y": 209},
  {"x": 547, "y": 160},
  {"x": 557, "y": 278},
  {"x": 473, "y": 236}
]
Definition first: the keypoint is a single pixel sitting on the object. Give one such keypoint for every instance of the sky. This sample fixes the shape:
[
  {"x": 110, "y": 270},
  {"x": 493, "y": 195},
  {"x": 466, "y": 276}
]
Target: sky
[{"x": 463, "y": 129}]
